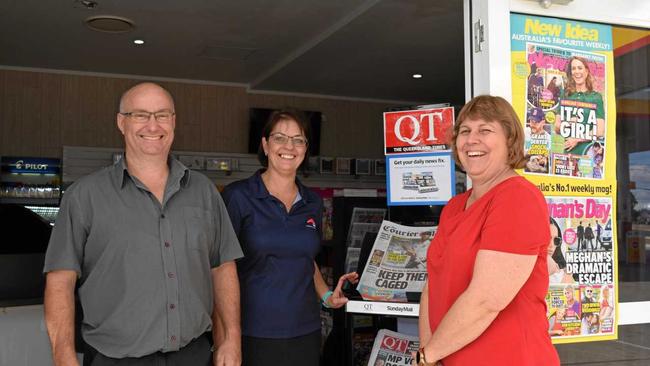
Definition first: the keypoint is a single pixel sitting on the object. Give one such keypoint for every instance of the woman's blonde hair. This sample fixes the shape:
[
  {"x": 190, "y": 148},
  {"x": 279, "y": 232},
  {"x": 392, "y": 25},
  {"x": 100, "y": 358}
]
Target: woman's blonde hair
[{"x": 494, "y": 109}]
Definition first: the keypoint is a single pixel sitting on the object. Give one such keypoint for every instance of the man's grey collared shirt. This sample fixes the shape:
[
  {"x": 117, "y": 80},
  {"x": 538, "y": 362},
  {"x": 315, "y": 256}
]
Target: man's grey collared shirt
[{"x": 144, "y": 267}]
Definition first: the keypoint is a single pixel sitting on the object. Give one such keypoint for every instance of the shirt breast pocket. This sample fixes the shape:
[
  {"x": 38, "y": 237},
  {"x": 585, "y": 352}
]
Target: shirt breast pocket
[{"x": 200, "y": 230}]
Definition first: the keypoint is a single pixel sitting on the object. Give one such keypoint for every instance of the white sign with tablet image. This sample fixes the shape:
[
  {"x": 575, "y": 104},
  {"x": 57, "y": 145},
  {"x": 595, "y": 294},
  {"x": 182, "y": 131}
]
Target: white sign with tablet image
[{"x": 422, "y": 179}]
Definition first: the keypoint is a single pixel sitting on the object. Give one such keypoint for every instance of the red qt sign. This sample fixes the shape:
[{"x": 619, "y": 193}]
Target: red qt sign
[
  {"x": 395, "y": 344},
  {"x": 421, "y": 130}
]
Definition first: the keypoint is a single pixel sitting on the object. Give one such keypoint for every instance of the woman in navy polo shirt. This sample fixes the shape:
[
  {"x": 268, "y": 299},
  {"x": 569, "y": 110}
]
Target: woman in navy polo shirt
[{"x": 278, "y": 223}]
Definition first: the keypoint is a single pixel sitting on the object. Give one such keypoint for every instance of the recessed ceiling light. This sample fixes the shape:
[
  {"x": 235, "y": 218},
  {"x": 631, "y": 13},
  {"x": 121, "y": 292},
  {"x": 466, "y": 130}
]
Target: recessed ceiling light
[
  {"x": 109, "y": 24},
  {"x": 417, "y": 76},
  {"x": 138, "y": 41}
]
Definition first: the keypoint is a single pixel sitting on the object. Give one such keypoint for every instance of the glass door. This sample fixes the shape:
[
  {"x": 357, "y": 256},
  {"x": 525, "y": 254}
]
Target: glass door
[{"x": 492, "y": 72}]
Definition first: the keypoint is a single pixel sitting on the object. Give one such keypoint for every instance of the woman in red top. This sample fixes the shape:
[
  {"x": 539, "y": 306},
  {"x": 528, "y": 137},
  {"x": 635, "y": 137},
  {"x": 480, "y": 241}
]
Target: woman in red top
[{"x": 484, "y": 300}]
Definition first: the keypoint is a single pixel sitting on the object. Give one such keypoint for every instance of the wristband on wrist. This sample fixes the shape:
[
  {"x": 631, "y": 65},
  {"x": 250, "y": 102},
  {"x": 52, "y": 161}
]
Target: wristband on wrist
[
  {"x": 421, "y": 360},
  {"x": 324, "y": 299}
]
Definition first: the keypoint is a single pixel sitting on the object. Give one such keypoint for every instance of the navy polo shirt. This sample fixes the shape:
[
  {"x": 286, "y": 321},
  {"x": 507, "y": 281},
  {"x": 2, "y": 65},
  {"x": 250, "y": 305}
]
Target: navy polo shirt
[{"x": 276, "y": 275}]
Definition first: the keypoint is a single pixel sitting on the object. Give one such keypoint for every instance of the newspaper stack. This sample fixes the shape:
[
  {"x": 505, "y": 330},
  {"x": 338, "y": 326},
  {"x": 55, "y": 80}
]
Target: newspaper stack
[
  {"x": 363, "y": 221},
  {"x": 393, "y": 349},
  {"x": 397, "y": 263}
]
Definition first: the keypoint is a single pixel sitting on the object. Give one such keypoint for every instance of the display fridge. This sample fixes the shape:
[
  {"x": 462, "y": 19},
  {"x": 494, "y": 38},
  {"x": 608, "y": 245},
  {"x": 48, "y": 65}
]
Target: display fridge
[{"x": 29, "y": 202}]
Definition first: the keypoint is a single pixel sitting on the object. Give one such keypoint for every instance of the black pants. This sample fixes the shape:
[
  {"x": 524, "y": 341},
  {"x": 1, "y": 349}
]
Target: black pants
[
  {"x": 196, "y": 352},
  {"x": 299, "y": 351}
]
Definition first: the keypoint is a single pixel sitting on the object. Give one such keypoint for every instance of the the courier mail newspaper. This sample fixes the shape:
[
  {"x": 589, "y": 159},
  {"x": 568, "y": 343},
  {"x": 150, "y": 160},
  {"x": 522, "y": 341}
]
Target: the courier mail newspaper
[{"x": 397, "y": 263}]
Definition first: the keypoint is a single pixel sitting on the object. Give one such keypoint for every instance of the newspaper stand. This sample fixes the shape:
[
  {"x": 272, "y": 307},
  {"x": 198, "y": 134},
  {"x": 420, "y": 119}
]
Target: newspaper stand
[
  {"x": 384, "y": 316},
  {"x": 338, "y": 346},
  {"x": 436, "y": 184},
  {"x": 341, "y": 347}
]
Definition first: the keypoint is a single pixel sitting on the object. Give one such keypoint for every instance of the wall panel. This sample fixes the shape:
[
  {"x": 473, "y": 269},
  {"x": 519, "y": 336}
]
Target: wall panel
[{"x": 41, "y": 112}]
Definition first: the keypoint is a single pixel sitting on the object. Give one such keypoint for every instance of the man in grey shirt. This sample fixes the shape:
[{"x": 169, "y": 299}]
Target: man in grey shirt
[{"x": 153, "y": 249}]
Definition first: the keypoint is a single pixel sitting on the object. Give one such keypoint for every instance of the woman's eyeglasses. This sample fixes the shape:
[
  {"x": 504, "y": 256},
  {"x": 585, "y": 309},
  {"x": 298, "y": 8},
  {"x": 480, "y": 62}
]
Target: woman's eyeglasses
[{"x": 281, "y": 139}]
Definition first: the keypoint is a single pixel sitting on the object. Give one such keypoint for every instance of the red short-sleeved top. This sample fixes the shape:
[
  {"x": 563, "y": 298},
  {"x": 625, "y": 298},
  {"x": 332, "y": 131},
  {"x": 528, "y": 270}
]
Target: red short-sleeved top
[{"x": 512, "y": 217}]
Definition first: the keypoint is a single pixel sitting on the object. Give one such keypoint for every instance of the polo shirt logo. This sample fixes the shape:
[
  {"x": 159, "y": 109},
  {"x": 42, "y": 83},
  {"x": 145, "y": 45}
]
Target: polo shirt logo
[{"x": 311, "y": 223}]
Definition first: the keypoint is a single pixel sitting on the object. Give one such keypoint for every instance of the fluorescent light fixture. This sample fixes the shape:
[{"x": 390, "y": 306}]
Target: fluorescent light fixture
[
  {"x": 138, "y": 41},
  {"x": 417, "y": 76}
]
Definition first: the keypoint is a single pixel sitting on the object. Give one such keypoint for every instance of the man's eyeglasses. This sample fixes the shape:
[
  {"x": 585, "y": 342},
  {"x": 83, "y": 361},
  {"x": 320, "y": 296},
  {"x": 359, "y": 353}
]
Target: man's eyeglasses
[
  {"x": 143, "y": 116},
  {"x": 281, "y": 139}
]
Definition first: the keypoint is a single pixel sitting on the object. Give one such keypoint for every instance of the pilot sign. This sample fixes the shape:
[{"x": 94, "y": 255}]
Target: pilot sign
[{"x": 418, "y": 131}]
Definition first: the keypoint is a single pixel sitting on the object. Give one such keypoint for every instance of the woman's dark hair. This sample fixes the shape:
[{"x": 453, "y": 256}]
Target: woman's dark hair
[
  {"x": 557, "y": 256},
  {"x": 285, "y": 114},
  {"x": 554, "y": 223}
]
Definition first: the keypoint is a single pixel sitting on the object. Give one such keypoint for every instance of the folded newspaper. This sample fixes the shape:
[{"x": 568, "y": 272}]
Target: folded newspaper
[
  {"x": 397, "y": 263},
  {"x": 393, "y": 349}
]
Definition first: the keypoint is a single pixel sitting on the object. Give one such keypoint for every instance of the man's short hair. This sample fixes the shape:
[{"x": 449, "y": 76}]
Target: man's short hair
[{"x": 128, "y": 91}]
